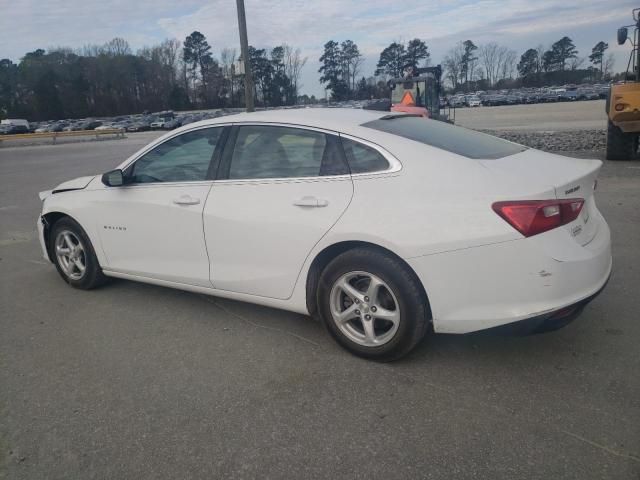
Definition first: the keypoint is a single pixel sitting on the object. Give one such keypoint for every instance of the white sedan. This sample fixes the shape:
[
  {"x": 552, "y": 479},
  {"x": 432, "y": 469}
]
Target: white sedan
[{"x": 383, "y": 225}]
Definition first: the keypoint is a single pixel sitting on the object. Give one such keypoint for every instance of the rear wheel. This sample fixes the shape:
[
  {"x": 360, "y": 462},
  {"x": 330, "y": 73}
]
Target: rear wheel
[
  {"x": 621, "y": 145},
  {"x": 74, "y": 256},
  {"x": 372, "y": 304}
]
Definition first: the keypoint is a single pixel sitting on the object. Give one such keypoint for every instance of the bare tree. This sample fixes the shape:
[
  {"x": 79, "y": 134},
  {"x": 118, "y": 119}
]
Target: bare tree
[
  {"x": 228, "y": 58},
  {"x": 508, "y": 65},
  {"x": 488, "y": 55},
  {"x": 576, "y": 63},
  {"x": 170, "y": 50},
  {"x": 116, "y": 47},
  {"x": 356, "y": 64},
  {"x": 541, "y": 49},
  {"x": 608, "y": 65},
  {"x": 293, "y": 63},
  {"x": 453, "y": 65},
  {"x": 473, "y": 67},
  {"x": 90, "y": 50}
]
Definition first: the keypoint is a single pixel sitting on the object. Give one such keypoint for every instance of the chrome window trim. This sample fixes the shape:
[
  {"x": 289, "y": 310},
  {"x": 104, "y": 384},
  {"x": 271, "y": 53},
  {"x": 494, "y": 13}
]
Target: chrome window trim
[
  {"x": 176, "y": 133},
  {"x": 394, "y": 163},
  {"x": 315, "y": 178}
]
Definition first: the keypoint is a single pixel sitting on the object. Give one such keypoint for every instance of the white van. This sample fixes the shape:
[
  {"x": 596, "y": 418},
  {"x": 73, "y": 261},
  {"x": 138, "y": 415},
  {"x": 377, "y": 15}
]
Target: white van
[{"x": 15, "y": 121}]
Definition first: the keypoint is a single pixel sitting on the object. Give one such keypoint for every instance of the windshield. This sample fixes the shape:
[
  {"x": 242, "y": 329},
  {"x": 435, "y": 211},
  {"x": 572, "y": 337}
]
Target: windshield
[{"x": 446, "y": 137}]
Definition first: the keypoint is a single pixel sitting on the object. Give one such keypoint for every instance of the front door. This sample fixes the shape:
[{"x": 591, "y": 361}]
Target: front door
[
  {"x": 152, "y": 226},
  {"x": 283, "y": 189}
]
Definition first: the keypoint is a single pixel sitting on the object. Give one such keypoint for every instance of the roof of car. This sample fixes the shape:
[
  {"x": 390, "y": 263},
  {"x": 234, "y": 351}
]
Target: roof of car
[{"x": 336, "y": 119}]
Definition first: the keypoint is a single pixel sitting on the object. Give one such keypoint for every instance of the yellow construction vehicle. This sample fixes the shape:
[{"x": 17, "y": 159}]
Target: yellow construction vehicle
[{"x": 623, "y": 102}]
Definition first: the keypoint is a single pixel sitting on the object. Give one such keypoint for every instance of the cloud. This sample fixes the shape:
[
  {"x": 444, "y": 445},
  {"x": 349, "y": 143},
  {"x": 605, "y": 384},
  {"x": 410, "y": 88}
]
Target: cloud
[{"x": 308, "y": 24}]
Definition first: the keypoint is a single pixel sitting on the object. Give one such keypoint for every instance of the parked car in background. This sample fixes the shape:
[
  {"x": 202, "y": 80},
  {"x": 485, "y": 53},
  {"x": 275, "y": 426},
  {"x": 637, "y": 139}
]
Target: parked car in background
[
  {"x": 568, "y": 96},
  {"x": 70, "y": 128},
  {"x": 105, "y": 126},
  {"x": 171, "y": 124},
  {"x": 588, "y": 94},
  {"x": 494, "y": 100},
  {"x": 90, "y": 125},
  {"x": 473, "y": 101},
  {"x": 12, "y": 129},
  {"x": 187, "y": 120},
  {"x": 15, "y": 121},
  {"x": 157, "y": 124},
  {"x": 141, "y": 126}
]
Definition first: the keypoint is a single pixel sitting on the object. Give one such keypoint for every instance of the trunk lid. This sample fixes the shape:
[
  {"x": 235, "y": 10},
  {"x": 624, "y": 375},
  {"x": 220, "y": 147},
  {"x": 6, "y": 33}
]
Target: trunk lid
[{"x": 568, "y": 177}]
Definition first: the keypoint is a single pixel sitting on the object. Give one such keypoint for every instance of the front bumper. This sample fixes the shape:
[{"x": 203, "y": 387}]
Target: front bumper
[
  {"x": 484, "y": 287},
  {"x": 40, "y": 225}
]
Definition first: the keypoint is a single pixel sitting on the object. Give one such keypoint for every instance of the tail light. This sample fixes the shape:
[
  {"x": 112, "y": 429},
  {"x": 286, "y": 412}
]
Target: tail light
[{"x": 531, "y": 217}]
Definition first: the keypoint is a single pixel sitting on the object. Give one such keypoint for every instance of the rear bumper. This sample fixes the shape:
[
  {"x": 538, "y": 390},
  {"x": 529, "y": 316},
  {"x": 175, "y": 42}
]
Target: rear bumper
[
  {"x": 547, "y": 322},
  {"x": 489, "y": 286}
]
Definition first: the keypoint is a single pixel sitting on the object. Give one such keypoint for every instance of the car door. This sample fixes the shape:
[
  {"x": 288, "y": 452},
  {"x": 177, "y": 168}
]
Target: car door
[
  {"x": 280, "y": 189},
  {"x": 152, "y": 225}
]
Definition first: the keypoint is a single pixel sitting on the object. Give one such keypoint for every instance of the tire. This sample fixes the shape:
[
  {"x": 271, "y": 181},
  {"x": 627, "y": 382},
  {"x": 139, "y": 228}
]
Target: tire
[
  {"x": 399, "y": 298},
  {"x": 621, "y": 145},
  {"x": 65, "y": 231}
]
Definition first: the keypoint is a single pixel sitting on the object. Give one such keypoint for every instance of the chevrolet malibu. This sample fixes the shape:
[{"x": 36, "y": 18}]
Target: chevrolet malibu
[{"x": 385, "y": 226}]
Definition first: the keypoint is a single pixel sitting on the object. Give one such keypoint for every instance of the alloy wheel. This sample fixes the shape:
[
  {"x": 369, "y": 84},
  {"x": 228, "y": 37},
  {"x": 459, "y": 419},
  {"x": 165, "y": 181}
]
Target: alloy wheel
[
  {"x": 364, "y": 308},
  {"x": 71, "y": 255}
]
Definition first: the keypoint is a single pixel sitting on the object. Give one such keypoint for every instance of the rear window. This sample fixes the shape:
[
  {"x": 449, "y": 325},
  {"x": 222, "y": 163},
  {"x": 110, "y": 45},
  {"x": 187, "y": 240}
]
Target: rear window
[
  {"x": 445, "y": 136},
  {"x": 363, "y": 159}
]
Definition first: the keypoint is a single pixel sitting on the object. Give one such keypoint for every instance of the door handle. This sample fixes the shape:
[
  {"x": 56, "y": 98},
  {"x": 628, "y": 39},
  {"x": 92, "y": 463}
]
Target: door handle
[
  {"x": 186, "y": 200},
  {"x": 309, "y": 201}
]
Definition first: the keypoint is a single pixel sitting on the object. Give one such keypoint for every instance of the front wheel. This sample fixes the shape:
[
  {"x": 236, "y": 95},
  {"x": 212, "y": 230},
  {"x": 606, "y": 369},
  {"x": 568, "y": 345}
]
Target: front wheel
[
  {"x": 373, "y": 304},
  {"x": 74, "y": 256}
]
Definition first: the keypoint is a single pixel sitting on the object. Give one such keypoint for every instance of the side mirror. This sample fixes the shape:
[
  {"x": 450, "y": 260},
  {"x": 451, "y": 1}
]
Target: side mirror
[
  {"x": 623, "y": 33},
  {"x": 114, "y": 178}
]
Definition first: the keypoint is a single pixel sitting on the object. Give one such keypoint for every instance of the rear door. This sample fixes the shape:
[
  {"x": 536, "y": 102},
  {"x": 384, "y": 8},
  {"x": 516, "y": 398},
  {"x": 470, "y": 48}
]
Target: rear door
[{"x": 280, "y": 189}]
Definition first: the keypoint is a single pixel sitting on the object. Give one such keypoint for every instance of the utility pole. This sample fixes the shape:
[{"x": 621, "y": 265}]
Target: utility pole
[{"x": 244, "y": 50}]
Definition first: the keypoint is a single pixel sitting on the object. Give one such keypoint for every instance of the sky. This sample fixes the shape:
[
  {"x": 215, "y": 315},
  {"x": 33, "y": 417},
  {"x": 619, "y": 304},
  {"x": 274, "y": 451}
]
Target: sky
[{"x": 307, "y": 24}]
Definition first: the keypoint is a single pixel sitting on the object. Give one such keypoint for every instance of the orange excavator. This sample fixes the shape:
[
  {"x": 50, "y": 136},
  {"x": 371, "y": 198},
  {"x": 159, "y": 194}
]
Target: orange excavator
[{"x": 418, "y": 92}]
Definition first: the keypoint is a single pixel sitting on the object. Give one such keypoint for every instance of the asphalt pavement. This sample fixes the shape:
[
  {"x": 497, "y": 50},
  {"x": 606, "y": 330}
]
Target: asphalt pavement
[{"x": 139, "y": 381}]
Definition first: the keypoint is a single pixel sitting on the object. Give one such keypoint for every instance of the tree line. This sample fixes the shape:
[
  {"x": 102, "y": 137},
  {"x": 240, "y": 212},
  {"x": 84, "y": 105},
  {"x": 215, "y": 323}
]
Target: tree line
[
  {"x": 466, "y": 66},
  {"x": 471, "y": 67},
  {"x": 110, "y": 79}
]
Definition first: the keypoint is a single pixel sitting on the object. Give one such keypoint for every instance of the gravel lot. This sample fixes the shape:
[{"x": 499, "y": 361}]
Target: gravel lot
[
  {"x": 556, "y": 127},
  {"x": 539, "y": 117},
  {"x": 138, "y": 381}
]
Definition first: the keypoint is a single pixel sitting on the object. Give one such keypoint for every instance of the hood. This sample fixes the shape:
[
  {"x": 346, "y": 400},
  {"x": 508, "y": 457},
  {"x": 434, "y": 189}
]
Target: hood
[{"x": 75, "y": 184}]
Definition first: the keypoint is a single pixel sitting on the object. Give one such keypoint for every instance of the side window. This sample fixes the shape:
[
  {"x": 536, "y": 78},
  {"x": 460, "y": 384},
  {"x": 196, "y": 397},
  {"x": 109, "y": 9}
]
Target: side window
[
  {"x": 184, "y": 158},
  {"x": 362, "y": 158},
  {"x": 276, "y": 152}
]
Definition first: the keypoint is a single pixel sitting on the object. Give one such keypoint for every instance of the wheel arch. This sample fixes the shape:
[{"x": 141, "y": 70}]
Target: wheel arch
[
  {"x": 328, "y": 253},
  {"x": 49, "y": 219}
]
